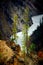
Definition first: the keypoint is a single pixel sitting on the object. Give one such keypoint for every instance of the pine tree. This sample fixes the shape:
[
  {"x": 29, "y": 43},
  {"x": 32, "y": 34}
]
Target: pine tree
[{"x": 25, "y": 29}]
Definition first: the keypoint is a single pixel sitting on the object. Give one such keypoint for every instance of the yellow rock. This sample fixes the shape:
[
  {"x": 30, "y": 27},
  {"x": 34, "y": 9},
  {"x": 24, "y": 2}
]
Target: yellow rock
[{"x": 5, "y": 52}]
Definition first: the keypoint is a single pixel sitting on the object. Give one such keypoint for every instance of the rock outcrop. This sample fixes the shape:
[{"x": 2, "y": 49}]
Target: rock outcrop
[{"x": 6, "y": 53}]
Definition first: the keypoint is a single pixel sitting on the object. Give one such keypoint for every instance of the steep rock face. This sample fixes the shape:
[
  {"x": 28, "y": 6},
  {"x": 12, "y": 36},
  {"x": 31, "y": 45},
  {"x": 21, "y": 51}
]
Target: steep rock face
[
  {"x": 5, "y": 30},
  {"x": 8, "y": 8},
  {"x": 37, "y": 37}
]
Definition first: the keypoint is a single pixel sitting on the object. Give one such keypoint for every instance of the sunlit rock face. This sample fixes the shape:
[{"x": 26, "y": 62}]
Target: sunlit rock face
[
  {"x": 10, "y": 53},
  {"x": 6, "y": 53}
]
